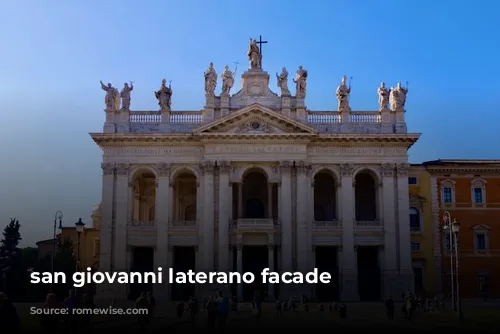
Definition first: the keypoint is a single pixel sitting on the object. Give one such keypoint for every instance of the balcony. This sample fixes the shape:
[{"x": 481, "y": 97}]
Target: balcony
[
  {"x": 252, "y": 224},
  {"x": 326, "y": 225},
  {"x": 146, "y": 223},
  {"x": 184, "y": 225},
  {"x": 370, "y": 225}
]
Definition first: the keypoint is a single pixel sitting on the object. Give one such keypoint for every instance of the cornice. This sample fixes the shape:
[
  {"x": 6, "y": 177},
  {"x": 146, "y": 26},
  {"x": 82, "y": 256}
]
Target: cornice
[{"x": 438, "y": 170}]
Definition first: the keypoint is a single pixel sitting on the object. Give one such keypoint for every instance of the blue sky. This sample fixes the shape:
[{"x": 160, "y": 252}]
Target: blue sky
[{"x": 55, "y": 52}]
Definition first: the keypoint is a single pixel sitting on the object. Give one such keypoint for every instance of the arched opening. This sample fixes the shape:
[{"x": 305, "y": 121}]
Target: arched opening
[
  {"x": 144, "y": 199},
  {"x": 184, "y": 210},
  {"x": 365, "y": 194},
  {"x": 325, "y": 197},
  {"x": 414, "y": 219},
  {"x": 255, "y": 195}
]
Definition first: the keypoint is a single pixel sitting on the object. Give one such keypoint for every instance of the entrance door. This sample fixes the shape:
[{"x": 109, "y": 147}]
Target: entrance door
[{"x": 255, "y": 259}]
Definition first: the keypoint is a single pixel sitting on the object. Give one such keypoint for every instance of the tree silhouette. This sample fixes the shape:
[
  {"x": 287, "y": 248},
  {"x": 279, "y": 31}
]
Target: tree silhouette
[{"x": 10, "y": 257}]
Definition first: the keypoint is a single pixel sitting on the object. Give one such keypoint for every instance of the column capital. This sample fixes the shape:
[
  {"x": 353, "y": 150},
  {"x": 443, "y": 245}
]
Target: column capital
[
  {"x": 270, "y": 247},
  {"x": 163, "y": 169},
  {"x": 239, "y": 246},
  {"x": 107, "y": 168},
  {"x": 303, "y": 168},
  {"x": 285, "y": 166},
  {"x": 224, "y": 166},
  {"x": 207, "y": 167},
  {"x": 122, "y": 169},
  {"x": 387, "y": 169},
  {"x": 402, "y": 169},
  {"x": 346, "y": 169}
]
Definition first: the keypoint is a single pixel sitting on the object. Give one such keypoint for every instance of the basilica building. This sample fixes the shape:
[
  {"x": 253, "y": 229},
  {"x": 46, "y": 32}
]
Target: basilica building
[{"x": 257, "y": 180}]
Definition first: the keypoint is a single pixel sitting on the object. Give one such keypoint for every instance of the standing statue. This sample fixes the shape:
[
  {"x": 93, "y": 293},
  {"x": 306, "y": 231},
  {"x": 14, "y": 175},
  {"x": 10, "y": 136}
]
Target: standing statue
[
  {"x": 125, "y": 95},
  {"x": 254, "y": 55},
  {"x": 112, "y": 98},
  {"x": 397, "y": 97},
  {"x": 227, "y": 80},
  {"x": 383, "y": 96},
  {"x": 164, "y": 95},
  {"x": 343, "y": 91},
  {"x": 210, "y": 80},
  {"x": 300, "y": 82},
  {"x": 283, "y": 82}
]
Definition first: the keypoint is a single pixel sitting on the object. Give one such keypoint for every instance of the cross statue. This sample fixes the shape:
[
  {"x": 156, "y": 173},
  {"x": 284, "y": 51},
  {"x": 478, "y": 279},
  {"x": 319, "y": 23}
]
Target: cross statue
[{"x": 260, "y": 42}]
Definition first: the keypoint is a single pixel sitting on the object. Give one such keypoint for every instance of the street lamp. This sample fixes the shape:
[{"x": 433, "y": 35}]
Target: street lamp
[
  {"x": 447, "y": 227},
  {"x": 454, "y": 228},
  {"x": 79, "y": 225},
  {"x": 57, "y": 218}
]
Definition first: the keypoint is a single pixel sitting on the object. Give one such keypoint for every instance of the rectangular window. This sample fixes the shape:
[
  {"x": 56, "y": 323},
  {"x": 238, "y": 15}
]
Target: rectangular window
[
  {"x": 415, "y": 246},
  {"x": 412, "y": 180},
  {"x": 447, "y": 198},
  {"x": 478, "y": 195},
  {"x": 480, "y": 241},
  {"x": 483, "y": 283}
]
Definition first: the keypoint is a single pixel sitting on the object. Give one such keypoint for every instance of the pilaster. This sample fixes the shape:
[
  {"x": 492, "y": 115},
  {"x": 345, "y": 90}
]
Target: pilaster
[
  {"x": 403, "y": 207},
  {"x": 163, "y": 207},
  {"x": 286, "y": 216},
  {"x": 349, "y": 257},
  {"x": 224, "y": 208},
  {"x": 104, "y": 291},
  {"x": 390, "y": 259},
  {"x": 207, "y": 168},
  {"x": 303, "y": 225},
  {"x": 121, "y": 222}
]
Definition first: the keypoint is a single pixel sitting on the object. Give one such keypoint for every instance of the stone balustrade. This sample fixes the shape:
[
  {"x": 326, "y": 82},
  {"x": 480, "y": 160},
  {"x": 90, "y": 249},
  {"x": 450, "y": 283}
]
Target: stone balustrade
[
  {"x": 184, "y": 224},
  {"x": 251, "y": 223},
  {"x": 189, "y": 117},
  {"x": 324, "y": 225}
]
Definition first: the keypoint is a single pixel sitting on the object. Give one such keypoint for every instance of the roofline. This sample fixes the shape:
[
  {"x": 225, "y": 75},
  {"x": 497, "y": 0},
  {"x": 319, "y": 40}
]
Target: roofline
[
  {"x": 46, "y": 241},
  {"x": 441, "y": 162}
]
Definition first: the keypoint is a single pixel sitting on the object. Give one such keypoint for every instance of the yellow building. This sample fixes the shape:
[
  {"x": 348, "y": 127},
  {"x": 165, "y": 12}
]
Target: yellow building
[
  {"x": 421, "y": 226},
  {"x": 89, "y": 240}
]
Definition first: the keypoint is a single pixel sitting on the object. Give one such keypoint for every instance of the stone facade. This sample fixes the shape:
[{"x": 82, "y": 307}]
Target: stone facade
[{"x": 257, "y": 169}]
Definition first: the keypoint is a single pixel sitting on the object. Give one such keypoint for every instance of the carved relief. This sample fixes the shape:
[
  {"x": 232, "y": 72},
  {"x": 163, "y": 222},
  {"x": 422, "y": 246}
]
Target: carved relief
[
  {"x": 163, "y": 169},
  {"x": 122, "y": 169},
  {"x": 358, "y": 151},
  {"x": 387, "y": 169},
  {"x": 346, "y": 169},
  {"x": 152, "y": 151},
  {"x": 107, "y": 168},
  {"x": 402, "y": 169}
]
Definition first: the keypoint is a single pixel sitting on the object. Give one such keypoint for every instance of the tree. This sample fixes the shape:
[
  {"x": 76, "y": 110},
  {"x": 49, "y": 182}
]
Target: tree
[{"x": 10, "y": 255}]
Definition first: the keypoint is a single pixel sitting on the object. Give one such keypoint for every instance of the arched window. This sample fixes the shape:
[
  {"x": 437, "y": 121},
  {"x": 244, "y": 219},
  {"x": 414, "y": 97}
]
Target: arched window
[{"x": 414, "y": 220}]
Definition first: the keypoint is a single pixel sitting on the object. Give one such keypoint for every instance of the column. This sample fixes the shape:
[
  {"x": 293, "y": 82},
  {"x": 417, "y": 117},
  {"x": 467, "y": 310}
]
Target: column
[
  {"x": 303, "y": 225},
  {"x": 270, "y": 200},
  {"x": 162, "y": 215},
  {"x": 239, "y": 265},
  {"x": 285, "y": 211},
  {"x": 240, "y": 200},
  {"x": 270, "y": 261},
  {"x": 208, "y": 217},
  {"x": 349, "y": 256},
  {"x": 389, "y": 222},
  {"x": 121, "y": 222},
  {"x": 313, "y": 287},
  {"x": 286, "y": 216},
  {"x": 104, "y": 291},
  {"x": 223, "y": 254},
  {"x": 403, "y": 207}
]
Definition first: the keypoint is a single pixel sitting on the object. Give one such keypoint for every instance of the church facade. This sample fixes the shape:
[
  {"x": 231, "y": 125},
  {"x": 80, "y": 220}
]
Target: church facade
[{"x": 257, "y": 180}]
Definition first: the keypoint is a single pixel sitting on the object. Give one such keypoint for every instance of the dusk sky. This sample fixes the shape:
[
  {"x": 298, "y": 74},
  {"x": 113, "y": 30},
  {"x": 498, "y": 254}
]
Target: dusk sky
[{"x": 55, "y": 52}]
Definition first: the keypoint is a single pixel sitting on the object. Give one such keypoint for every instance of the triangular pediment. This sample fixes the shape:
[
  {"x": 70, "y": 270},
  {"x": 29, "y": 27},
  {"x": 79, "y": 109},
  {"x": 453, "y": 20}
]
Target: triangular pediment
[{"x": 255, "y": 119}]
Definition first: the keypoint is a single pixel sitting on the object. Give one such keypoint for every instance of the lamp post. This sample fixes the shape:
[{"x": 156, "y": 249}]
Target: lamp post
[
  {"x": 447, "y": 227},
  {"x": 58, "y": 217},
  {"x": 79, "y": 225},
  {"x": 455, "y": 229}
]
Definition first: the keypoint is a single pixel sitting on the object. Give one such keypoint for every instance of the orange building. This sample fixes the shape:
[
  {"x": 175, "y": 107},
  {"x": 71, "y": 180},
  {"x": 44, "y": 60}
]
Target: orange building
[{"x": 470, "y": 191}]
